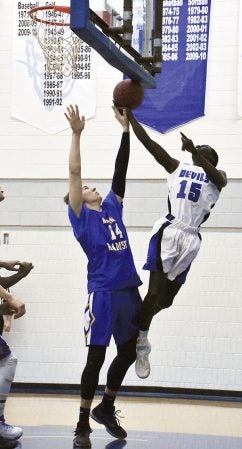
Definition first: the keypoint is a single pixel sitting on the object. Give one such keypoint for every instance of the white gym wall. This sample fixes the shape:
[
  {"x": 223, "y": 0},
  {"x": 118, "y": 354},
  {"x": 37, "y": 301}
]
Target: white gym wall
[{"x": 197, "y": 342}]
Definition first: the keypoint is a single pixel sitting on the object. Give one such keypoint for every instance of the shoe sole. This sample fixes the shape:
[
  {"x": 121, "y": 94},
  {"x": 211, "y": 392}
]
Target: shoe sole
[
  {"x": 143, "y": 377},
  {"x": 7, "y": 440},
  {"x": 107, "y": 429},
  {"x": 86, "y": 446},
  {"x": 83, "y": 446},
  {"x": 136, "y": 370}
]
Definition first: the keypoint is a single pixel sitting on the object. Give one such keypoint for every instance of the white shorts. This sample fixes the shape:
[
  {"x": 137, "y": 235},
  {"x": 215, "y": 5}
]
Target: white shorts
[{"x": 179, "y": 245}]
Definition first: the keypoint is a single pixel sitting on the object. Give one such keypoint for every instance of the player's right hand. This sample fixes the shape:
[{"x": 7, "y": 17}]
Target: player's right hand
[
  {"x": 187, "y": 144},
  {"x": 76, "y": 122}
]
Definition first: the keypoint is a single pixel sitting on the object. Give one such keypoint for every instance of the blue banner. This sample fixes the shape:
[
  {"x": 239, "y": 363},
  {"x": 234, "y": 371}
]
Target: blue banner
[{"x": 180, "y": 93}]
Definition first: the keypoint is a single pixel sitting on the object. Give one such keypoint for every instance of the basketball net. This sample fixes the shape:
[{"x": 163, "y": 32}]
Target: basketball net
[{"x": 60, "y": 46}]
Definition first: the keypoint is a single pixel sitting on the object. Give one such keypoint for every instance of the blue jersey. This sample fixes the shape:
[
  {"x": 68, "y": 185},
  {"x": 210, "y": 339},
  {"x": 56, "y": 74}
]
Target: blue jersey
[{"x": 103, "y": 238}]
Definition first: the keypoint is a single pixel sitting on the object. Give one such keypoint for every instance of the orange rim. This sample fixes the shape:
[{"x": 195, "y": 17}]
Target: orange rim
[{"x": 65, "y": 9}]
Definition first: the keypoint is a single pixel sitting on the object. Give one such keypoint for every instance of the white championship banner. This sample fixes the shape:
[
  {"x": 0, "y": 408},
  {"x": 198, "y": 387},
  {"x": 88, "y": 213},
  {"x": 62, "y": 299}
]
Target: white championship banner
[
  {"x": 40, "y": 96},
  {"x": 240, "y": 62}
]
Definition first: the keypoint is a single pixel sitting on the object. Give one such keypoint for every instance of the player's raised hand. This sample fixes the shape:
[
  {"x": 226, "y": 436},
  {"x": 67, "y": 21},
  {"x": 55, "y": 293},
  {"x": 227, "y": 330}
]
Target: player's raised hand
[
  {"x": 77, "y": 123},
  {"x": 122, "y": 117},
  {"x": 187, "y": 144}
]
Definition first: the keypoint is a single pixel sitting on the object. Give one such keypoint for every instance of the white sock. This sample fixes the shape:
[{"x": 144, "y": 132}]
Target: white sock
[
  {"x": 143, "y": 335},
  {"x": 7, "y": 371}
]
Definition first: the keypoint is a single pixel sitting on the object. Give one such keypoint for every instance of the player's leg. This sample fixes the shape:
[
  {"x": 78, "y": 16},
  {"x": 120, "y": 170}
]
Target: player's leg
[
  {"x": 160, "y": 295},
  {"x": 7, "y": 371},
  {"x": 98, "y": 331},
  {"x": 89, "y": 382},
  {"x": 166, "y": 298},
  {"x": 157, "y": 285},
  {"x": 126, "y": 306},
  {"x": 105, "y": 412}
]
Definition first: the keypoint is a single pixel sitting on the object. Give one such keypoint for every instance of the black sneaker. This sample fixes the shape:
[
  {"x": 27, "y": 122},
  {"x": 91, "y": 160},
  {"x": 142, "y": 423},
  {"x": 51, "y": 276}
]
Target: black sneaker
[
  {"x": 82, "y": 437},
  {"x": 4, "y": 444},
  {"x": 110, "y": 421}
]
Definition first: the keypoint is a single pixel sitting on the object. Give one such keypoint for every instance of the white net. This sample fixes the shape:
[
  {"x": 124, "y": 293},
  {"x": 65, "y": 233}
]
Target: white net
[{"x": 51, "y": 27}]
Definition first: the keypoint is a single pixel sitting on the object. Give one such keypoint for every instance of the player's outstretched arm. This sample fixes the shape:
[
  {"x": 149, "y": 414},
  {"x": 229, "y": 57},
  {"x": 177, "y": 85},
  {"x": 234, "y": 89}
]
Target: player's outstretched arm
[
  {"x": 11, "y": 265},
  {"x": 218, "y": 177},
  {"x": 161, "y": 156},
  {"x": 122, "y": 159},
  {"x": 24, "y": 269},
  {"x": 77, "y": 125}
]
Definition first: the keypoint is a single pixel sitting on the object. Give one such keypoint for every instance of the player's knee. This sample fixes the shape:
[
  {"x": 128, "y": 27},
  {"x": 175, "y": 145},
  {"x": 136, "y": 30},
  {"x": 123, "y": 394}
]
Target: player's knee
[
  {"x": 163, "y": 303},
  {"x": 8, "y": 367},
  {"x": 127, "y": 352},
  {"x": 12, "y": 365},
  {"x": 149, "y": 304},
  {"x": 96, "y": 357}
]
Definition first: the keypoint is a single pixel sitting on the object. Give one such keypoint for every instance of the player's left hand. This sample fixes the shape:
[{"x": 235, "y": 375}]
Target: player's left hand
[{"x": 187, "y": 144}]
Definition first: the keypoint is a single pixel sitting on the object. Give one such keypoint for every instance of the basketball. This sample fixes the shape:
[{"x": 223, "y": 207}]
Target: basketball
[{"x": 128, "y": 94}]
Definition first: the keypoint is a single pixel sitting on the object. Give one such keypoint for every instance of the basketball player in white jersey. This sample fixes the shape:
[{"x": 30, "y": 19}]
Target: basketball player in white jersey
[{"x": 193, "y": 189}]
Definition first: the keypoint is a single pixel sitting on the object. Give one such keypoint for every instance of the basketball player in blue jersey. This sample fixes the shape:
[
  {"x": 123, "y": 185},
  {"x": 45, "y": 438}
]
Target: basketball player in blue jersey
[
  {"x": 193, "y": 189},
  {"x": 114, "y": 302}
]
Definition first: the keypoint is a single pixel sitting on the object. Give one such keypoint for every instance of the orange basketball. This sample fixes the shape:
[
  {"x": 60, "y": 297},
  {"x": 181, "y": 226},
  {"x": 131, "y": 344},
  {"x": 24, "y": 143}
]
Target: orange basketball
[{"x": 128, "y": 94}]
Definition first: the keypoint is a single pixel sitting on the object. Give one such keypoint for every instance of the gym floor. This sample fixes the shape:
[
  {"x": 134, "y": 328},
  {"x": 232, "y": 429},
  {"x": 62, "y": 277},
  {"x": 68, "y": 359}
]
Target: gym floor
[{"x": 49, "y": 422}]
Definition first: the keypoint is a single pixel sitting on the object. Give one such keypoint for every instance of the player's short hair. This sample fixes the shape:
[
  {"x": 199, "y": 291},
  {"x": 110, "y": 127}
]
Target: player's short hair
[
  {"x": 66, "y": 198},
  {"x": 213, "y": 153}
]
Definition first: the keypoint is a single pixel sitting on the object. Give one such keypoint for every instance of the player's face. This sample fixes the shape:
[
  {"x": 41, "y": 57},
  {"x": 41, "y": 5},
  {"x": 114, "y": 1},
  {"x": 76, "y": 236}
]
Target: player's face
[
  {"x": 1, "y": 195},
  {"x": 206, "y": 153},
  {"x": 90, "y": 195}
]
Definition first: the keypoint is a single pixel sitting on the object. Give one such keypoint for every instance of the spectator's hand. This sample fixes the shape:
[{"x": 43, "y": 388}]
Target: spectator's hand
[
  {"x": 17, "y": 306},
  {"x": 7, "y": 323},
  {"x": 122, "y": 117},
  {"x": 77, "y": 123},
  {"x": 25, "y": 268},
  {"x": 11, "y": 265},
  {"x": 6, "y": 309},
  {"x": 187, "y": 144}
]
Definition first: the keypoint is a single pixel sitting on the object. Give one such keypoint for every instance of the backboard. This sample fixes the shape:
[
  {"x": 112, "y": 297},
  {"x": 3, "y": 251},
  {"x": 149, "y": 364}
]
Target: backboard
[{"x": 121, "y": 31}]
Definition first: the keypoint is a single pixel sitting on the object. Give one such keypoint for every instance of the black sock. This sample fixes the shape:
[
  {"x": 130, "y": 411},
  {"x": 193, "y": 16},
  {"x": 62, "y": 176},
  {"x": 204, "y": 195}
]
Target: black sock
[
  {"x": 84, "y": 415},
  {"x": 108, "y": 402}
]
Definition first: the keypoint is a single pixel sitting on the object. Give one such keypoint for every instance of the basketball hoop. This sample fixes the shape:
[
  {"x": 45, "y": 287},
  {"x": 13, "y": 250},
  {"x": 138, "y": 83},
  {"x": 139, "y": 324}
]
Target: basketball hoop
[{"x": 51, "y": 27}]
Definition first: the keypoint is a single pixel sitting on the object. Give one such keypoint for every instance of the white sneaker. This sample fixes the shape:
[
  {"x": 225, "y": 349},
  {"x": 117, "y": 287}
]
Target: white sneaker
[
  {"x": 8, "y": 432},
  {"x": 142, "y": 364}
]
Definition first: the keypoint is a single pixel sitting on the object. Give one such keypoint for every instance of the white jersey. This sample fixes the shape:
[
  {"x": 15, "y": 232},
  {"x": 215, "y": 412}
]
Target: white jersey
[{"x": 191, "y": 195}]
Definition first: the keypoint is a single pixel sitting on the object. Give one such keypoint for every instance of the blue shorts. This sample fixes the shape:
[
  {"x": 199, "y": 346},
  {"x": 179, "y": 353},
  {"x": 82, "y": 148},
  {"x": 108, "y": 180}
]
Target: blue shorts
[
  {"x": 4, "y": 349},
  {"x": 110, "y": 313}
]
